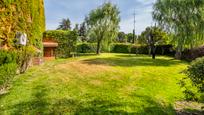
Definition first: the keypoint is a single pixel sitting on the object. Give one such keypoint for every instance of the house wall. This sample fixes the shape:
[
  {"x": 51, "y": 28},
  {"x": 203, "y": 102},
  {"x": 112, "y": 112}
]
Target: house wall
[
  {"x": 22, "y": 16},
  {"x": 49, "y": 52}
]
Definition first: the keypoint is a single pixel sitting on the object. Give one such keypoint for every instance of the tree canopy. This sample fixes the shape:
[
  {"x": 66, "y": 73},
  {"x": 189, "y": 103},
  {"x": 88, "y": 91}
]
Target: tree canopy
[
  {"x": 103, "y": 24},
  {"x": 184, "y": 19},
  {"x": 160, "y": 36},
  {"x": 65, "y": 24}
]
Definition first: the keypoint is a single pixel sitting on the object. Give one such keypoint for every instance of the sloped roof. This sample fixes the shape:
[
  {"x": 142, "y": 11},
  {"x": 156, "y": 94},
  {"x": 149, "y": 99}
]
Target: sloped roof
[{"x": 50, "y": 44}]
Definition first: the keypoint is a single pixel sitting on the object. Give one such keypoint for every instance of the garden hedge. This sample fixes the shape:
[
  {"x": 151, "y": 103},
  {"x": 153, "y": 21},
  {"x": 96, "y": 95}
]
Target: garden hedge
[
  {"x": 22, "y": 16},
  {"x": 127, "y": 48},
  {"x": 67, "y": 41},
  {"x": 86, "y": 48}
]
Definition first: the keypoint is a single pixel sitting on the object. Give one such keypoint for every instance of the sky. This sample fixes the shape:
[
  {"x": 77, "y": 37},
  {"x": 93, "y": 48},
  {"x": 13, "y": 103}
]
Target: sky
[{"x": 76, "y": 10}]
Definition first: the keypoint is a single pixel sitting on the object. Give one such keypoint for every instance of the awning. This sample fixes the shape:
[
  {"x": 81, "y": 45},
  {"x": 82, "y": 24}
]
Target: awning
[{"x": 50, "y": 44}]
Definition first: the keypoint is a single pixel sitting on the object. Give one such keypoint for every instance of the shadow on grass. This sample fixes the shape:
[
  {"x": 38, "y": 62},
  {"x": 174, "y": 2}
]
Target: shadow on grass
[
  {"x": 132, "y": 61},
  {"x": 97, "y": 106},
  {"x": 86, "y": 54},
  {"x": 37, "y": 104}
]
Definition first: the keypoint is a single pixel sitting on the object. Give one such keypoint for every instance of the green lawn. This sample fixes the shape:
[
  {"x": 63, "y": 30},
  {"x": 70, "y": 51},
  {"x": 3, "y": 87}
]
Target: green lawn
[{"x": 105, "y": 84}]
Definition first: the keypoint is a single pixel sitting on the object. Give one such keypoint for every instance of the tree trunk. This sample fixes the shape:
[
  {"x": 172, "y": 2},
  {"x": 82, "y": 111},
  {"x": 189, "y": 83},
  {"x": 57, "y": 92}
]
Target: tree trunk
[
  {"x": 178, "y": 55},
  {"x": 98, "y": 47},
  {"x": 153, "y": 51}
]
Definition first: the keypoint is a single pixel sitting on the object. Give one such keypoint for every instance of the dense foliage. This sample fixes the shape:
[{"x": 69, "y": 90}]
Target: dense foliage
[
  {"x": 86, "y": 48},
  {"x": 103, "y": 25},
  {"x": 127, "y": 48},
  {"x": 24, "y": 16},
  {"x": 192, "y": 54},
  {"x": 121, "y": 37},
  {"x": 8, "y": 67},
  {"x": 160, "y": 37},
  {"x": 83, "y": 32},
  {"x": 184, "y": 19},
  {"x": 196, "y": 73},
  {"x": 25, "y": 55},
  {"x": 134, "y": 49},
  {"x": 66, "y": 39},
  {"x": 65, "y": 24},
  {"x": 151, "y": 37},
  {"x": 121, "y": 48}
]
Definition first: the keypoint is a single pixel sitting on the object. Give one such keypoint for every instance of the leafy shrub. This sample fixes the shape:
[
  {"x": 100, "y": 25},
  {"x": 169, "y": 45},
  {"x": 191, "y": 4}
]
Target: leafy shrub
[
  {"x": 25, "y": 55},
  {"x": 7, "y": 72},
  {"x": 193, "y": 84},
  {"x": 192, "y": 54},
  {"x": 139, "y": 50},
  {"x": 165, "y": 50},
  {"x": 190, "y": 91},
  {"x": 86, "y": 48},
  {"x": 66, "y": 39},
  {"x": 121, "y": 48},
  {"x": 8, "y": 67},
  {"x": 196, "y": 73},
  {"x": 7, "y": 57}
]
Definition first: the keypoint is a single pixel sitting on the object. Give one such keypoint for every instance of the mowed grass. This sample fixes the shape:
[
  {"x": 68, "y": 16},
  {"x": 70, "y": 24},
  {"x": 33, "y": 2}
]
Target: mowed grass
[{"x": 90, "y": 85}]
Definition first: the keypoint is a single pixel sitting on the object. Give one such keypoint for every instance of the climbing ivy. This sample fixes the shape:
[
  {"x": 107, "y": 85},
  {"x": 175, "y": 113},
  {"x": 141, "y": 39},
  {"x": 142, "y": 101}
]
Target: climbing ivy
[
  {"x": 22, "y": 16},
  {"x": 67, "y": 41}
]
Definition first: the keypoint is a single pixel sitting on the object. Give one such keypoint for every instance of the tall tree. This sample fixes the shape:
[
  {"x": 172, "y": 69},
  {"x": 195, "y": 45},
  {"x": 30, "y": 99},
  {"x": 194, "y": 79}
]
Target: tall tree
[
  {"x": 103, "y": 24},
  {"x": 121, "y": 37},
  {"x": 152, "y": 37},
  {"x": 184, "y": 19},
  {"x": 76, "y": 28},
  {"x": 65, "y": 24},
  {"x": 160, "y": 36},
  {"x": 83, "y": 32},
  {"x": 130, "y": 37}
]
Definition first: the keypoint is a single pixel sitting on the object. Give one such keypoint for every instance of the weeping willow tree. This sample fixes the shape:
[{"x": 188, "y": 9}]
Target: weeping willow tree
[
  {"x": 103, "y": 25},
  {"x": 184, "y": 19}
]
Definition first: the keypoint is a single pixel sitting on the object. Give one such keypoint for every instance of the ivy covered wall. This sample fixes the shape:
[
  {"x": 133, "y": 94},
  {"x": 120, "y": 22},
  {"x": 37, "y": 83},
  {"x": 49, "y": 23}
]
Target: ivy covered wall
[{"x": 21, "y": 16}]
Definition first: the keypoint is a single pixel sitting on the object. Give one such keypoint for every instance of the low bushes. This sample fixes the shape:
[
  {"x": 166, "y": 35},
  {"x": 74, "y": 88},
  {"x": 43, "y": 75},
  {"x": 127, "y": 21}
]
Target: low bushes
[
  {"x": 196, "y": 73},
  {"x": 8, "y": 67},
  {"x": 25, "y": 55},
  {"x": 192, "y": 54},
  {"x": 193, "y": 83}
]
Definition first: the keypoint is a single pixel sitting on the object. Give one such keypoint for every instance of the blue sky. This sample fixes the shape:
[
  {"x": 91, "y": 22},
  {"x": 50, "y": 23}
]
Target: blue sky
[{"x": 76, "y": 10}]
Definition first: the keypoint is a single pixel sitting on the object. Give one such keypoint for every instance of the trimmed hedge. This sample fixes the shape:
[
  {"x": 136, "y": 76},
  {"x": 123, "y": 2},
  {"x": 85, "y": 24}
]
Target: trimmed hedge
[
  {"x": 192, "y": 54},
  {"x": 67, "y": 41},
  {"x": 127, "y": 48},
  {"x": 139, "y": 50},
  {"x": 121, "y": 48},
  {"x": 86, "y": 48}
]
